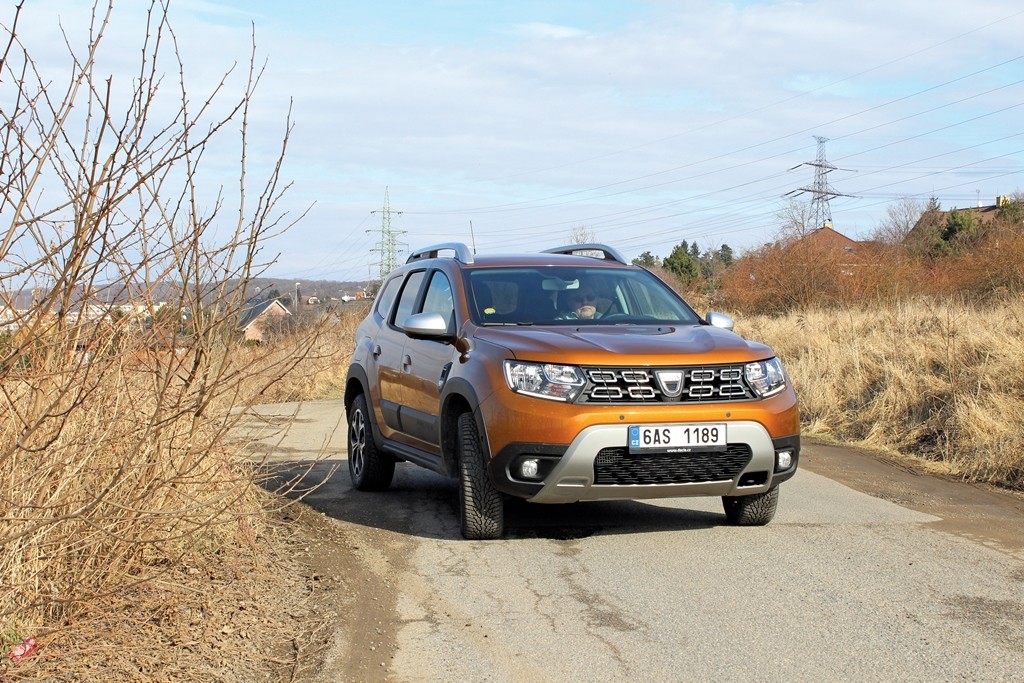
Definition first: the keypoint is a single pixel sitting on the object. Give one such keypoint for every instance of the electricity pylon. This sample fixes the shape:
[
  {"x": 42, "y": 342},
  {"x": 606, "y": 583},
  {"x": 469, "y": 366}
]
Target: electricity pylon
[
  {"x": 821, "y": 192},
  {"x": 388, "y": 245}
]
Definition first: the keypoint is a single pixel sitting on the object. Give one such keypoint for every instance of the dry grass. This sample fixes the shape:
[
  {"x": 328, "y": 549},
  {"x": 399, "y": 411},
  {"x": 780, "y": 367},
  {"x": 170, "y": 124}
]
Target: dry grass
[
  {"x": 131, "y": 524},
  {"x": 940, "y": 381},
  {"x": 320, "y": 371},
  {"x": 136, "y": 538}
]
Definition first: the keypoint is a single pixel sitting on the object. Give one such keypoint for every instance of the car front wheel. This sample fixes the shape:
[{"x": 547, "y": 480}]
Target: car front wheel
[
  {"x": 370, "y": 468},
  {"x": 481, "y": 507},
  {"x": 755, "y": 510}
]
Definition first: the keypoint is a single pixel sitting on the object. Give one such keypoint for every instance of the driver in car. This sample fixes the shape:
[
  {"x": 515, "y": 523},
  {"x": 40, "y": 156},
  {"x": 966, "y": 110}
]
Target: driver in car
[{"x": 579, "y": 304}]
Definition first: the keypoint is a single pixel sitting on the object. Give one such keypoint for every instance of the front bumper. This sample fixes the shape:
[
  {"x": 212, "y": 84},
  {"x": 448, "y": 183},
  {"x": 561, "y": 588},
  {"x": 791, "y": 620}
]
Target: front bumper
[{"x": 747, "y": 467}]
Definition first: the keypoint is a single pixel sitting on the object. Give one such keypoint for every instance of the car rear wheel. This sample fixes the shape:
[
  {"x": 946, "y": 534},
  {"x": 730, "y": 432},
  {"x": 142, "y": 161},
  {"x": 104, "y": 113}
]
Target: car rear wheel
[
  {"x": 481, "y": 507},
  {"x": 755, "y": 510},
  {"x": 370, "y": 468}
]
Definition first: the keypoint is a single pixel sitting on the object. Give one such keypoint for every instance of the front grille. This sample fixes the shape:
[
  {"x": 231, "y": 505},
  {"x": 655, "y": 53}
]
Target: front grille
[
  {"x": 681, "y": 384},
  {"x": 617, "y": 466}
]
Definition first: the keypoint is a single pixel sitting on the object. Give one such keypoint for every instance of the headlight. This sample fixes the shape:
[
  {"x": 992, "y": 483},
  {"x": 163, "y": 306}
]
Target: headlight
[
  {"x": 544, "y": 380},
  {"x": 765, "y": 377}
]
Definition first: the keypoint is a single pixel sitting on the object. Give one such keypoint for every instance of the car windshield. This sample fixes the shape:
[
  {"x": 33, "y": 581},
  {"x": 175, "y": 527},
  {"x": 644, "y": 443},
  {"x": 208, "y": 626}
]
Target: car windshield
[{"x": 561, "y": 295}]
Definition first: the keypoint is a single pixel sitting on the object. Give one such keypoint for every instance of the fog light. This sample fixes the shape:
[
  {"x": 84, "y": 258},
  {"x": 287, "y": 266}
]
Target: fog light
[
  {"x": 528, "y": 468},
  {"x": 783, "y": 460}
]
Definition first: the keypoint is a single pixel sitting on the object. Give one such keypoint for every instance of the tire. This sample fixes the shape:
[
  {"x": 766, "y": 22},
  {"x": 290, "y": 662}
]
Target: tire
[
  {"x": 755, "y": 510},
  {"x": 370, "y": 468},
  {"x": 481, "y": 506}
]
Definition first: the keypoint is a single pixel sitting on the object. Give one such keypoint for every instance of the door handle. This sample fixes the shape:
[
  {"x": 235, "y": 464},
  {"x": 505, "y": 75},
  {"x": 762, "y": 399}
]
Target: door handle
[
  {"x": 406, "y": 362},
  {"x": 376, "y": 351}
]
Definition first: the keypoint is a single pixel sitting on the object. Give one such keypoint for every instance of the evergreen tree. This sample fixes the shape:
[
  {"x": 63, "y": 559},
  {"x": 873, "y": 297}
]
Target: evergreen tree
[
  {"x": 647, "y": 260},
  {"x": 681, "y": 264}
]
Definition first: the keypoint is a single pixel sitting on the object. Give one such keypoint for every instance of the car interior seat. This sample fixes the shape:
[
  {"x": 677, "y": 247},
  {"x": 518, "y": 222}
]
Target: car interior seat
[{"x": 534, "y": 304}]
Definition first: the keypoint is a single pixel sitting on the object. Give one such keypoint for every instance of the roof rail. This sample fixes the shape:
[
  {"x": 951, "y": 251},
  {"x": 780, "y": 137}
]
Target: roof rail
[
  {"x": 609, "y": 254},
  {"x": 462, "y": 252}
]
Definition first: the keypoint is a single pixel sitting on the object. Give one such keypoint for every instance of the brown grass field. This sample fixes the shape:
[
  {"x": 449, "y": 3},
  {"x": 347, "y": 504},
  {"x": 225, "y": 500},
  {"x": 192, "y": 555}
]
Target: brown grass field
[{"x": 937, "y": 381}]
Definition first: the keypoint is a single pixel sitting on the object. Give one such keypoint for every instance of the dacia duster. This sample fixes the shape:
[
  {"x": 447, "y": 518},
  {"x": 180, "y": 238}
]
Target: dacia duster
[{"x": 563, "y": 376}]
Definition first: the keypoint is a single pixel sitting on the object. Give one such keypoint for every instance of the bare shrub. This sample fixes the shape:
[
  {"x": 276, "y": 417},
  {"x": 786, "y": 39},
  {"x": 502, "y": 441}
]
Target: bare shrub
[
  {"x": 114, "y": 454},
  {"x": 797, "y": 273},
  {"x": 993, "y": 268},
  {"x": 900, "y": 218},
  {"x": 790, "y": 275}
]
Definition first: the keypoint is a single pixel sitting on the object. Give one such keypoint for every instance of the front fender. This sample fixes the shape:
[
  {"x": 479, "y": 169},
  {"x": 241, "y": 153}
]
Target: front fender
[{"x": 457, "y": 397}]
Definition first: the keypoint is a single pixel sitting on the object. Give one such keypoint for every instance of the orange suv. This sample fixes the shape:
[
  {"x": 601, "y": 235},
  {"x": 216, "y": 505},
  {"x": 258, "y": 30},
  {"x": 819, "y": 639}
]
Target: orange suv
[{"x": 563, "y": 376}]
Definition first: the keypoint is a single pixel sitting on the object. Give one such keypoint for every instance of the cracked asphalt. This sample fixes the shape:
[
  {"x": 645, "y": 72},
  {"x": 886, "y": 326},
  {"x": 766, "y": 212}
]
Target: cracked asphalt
[{"x": 869, "y": 572}]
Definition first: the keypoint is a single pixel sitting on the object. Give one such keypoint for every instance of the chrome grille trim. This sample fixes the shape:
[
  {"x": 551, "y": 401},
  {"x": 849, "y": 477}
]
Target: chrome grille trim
[
  {"x": 631, "y": 385},
  {"x": 639, "y": 376},
  {"x": 609, "y": 393},
  {"x": 642, "y": 393}
]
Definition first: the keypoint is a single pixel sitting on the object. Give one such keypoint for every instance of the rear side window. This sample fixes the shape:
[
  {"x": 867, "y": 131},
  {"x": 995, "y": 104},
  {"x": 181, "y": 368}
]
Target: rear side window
[{"x": 387, "y": 295}]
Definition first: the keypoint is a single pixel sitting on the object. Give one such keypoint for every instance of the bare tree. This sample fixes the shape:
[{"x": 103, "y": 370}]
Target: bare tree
[
  {"x": 900, "y": 219},
  {"x": 794, "y": 220},
  {"x": 581, "y": 234}
]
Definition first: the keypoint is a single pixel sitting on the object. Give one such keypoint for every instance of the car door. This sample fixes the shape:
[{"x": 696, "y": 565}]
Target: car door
[
  {"x": 427, "y": 362},
  {"x": 388, "y": 356}
]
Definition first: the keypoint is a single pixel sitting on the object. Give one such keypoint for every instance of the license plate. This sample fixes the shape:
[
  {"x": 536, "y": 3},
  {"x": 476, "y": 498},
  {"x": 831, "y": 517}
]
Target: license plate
[{"x": 679, "y": 438}]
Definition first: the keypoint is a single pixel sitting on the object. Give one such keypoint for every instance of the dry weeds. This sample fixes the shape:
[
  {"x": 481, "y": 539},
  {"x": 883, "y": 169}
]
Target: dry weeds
[
  {"x": 320, "y": 372},
  {"x": 937, "y": 380},
  {"x": 135, "y": 540}
]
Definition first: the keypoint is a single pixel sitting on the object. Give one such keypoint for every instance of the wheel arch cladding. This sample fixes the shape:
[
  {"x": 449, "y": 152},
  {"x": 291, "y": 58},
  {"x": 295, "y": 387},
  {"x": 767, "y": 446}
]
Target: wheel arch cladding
[{"x": 458, "y": 397}]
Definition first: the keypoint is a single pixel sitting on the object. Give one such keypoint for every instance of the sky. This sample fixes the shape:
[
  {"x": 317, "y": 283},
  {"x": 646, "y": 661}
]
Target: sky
[{"x": 514, "y": 125}]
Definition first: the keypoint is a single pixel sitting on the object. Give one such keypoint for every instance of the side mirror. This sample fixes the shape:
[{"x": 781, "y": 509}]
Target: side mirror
[
  {"x": 720, "y": 320},
  {"x": 426, "y": 326}
]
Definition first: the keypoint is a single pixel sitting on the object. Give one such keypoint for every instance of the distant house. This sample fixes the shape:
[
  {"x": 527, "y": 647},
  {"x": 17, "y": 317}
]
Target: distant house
[
  {"x": 827, "y": 245},
  {"x": 257, "y": 320},
  {"x": 828, "y": 239},
  {"x": 932, "y": 222}
]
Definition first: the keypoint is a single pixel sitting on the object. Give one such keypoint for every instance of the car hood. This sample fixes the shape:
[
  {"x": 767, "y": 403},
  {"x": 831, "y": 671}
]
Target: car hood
[{"x": 626, "y": 344}]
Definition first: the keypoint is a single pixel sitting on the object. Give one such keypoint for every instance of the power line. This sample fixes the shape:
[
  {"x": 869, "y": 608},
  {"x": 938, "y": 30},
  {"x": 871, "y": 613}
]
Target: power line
[
  {"x": 633, "y": 216},
  {"x": 821, "y": 192},
  {"x": 388, "y": 245},
  {"x": 587, "y": 194}
]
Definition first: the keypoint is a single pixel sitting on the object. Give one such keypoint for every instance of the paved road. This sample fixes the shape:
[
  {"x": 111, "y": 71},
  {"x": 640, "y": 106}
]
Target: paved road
[{"x": 842, "y": 586}]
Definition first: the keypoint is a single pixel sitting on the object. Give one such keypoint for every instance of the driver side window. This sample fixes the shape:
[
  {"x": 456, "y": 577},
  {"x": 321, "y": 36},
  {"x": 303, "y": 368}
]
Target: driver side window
[{"x": 439, "y": 298}]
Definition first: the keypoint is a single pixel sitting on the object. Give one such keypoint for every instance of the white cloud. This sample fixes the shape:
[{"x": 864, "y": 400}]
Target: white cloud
[{"x": 550, "y": 31}]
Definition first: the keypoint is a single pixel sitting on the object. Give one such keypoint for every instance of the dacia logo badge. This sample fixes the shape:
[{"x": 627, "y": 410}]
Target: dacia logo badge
[{"x": 670, "y": 382}]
